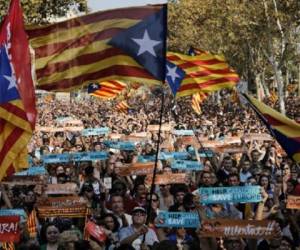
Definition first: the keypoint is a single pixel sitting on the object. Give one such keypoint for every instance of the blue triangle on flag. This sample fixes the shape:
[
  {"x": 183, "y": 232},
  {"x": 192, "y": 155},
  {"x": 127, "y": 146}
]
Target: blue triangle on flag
[{"x": 146, "y": 43}]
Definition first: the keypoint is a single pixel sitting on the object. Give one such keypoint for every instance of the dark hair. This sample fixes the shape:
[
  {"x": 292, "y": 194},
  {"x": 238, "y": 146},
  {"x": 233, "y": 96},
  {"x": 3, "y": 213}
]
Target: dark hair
[
  {"x": 82, "y": 244},
  {"x": 116, "y": 222},
  {"x": 165, "y": 244},
  {"x": 44, "y": 231},
  {"x": 86, "y": 186}
]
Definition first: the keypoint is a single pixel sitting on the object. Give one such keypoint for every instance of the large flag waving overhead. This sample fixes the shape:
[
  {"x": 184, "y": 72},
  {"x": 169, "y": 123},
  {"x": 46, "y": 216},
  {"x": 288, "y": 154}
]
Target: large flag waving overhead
[
  {"x": 17, "y": 100},
  {"x": 203, "y": 72},
  {"x": 120, "y": 44},
  {"x": 285, "y": 130}
]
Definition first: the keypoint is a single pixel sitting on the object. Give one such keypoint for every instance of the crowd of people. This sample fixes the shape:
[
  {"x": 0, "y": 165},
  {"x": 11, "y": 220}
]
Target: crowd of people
[{"x": 122, "y": 205}]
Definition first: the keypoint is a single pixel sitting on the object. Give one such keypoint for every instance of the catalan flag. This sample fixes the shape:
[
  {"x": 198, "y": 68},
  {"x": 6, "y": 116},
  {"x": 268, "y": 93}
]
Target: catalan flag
[
  {"x": 17, "y": 98},
  {"x": 107, "y": 89},
  {"x": 285, "y": 130},
  {"x": 197, "y": 99},
  {"x": 203, "y": 72},
  {"x": 122, "y": 107},
  {"x": 120, "y": 44}
]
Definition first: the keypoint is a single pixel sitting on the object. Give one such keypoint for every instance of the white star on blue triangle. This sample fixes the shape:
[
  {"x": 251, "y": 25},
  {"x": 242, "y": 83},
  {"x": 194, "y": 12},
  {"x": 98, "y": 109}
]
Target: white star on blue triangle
[
  {"x": 93, "y": 87},
  {"x": 174, "y": 77},
  {"x": 8, "y": 85},
  {"x": 146, "y": 43}
]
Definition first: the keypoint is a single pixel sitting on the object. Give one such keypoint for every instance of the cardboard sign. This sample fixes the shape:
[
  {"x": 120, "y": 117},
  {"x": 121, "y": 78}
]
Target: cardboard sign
[
  {"x": 177, "y": 219},
  {"x": 95, "y": 131},
  {"x": 183, "y": 132},
  {"x": 96, "y": 231},
  {"x": 9, "y": 229},
  {"x": 238, "y": 228},
  {"x": 293, "y": 202},
  {"x": 167, "y": 179},
  {"x": 257, "y": 137},
  {"x": 244, "y": 194},
  {"x": 164, "y": 127},
  {"x": 72, "y": 206},
  {"x": 68, "y": 188},
  {"x": 137, "y": 169},
  {"x": 187, "y": 165}
]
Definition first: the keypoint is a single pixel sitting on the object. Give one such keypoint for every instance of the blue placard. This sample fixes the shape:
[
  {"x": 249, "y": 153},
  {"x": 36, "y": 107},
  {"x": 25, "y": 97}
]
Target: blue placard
[
  {"x": 121, "y": 145},
  {"x": 56, "y": 158},
  {"x": 186, "y": 165},
  {"x": 95, "y": 131},
  {"x": 89, "y": 156},
  {"x": 146, "y": 158},
  {"x": 202, "y": 152},
  {"x": 239, "y": 194},
  {"x": 38, "y": 170},
  {"x": 10, "y": 212},
  {"x": 174, "y": 155},
  {"x": 177, "y": 219},
  {"x": 183, "y": 132}
]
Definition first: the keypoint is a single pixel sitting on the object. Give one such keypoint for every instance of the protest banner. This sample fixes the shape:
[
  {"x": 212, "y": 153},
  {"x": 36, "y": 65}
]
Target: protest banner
[
  {"x": 89, "y": 156},
  {"x": 187, "y": 165},
  {"x": 121, "y": 145},
  {"x": 257, "y": 137},
  {"x": 177, "y": 219},
  {"x": 183, "y": 132},
  {"x": 67, "y": 188},
  {"x": 146, "y": 158},
  {"x": 9, "y": 228},
  {"x": 164, "y": 127},
  {"x": 95, "y": 131},
  {"x": 67, "y": 206},
  {"x": 17, "y": 212},
  {"x": 56, "y": 158},
  {"x": 96, "y": 231},
  {"x": 137, "y": 169},
  {"x": 174, "y": 155},
  {"x": 189, "y": 140},
  {"x": 32, "y": 171},
  {"x": 115, "y": 136},
  {"x": 213, "y": 195},
  {"x": 293, "y": 202},
  {"x": 167, "y": 179},
  {"x": 237, "y": 228},
  {"x": 230, "y": 149}
]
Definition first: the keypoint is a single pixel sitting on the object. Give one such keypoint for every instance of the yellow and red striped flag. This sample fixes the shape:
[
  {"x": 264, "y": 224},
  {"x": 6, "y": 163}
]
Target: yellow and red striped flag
[
  {"x": 203, "y": 72},
  {"x": 32, "y": 224},
  {"x": 197, "y": 99},
  {"x": 122, "y": 107},
  {"x": 107, "y": 89},
  {"x": 17, "y": 98},
  {"x": 101, "y": 46}
]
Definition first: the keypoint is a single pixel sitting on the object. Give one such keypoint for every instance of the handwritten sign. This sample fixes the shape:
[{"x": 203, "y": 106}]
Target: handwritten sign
[
  {"x": 95, "y": 131},
  {"x": 187, "y": 165},
  {"x": 68, "y": 188},
  {"x": 9, "y": 229},
  {"x": 293, "y": 202},
  {"x": 238, "y": 228},
  {"x": 177, "y": 219},
  {"x": 249, "y": 194},
  {"x": 161, "y": 179},
  {"x": 137, "y": 169}
]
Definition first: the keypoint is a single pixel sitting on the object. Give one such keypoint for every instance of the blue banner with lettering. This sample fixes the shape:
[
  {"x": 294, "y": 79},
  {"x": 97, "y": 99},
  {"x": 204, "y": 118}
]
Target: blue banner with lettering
[
  {"x": 121, "y": 145},
  {"x": 37, "y": 170},
  {"x": 79, "y": 156},
  {"x": 146, "y": 158},
  {"x": 95, "y": 131},
  {"x": 10, "y": 212},
  {"x": 183, "y": 132},
  {"x": 177, "y": 219},
  {"x": 174, "y": 155},
  {"x": 187, "y": 165},
  {"x": 239, "y": 194}
]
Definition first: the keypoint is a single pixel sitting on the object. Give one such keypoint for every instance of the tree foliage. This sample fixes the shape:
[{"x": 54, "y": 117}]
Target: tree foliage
[
  {"x": 244, "y": 31},
  {"x": 41, "y": 11}
]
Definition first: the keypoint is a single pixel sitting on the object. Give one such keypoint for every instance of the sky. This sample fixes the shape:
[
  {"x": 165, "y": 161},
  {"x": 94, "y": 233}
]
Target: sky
[{"x": 111, "y": 4}]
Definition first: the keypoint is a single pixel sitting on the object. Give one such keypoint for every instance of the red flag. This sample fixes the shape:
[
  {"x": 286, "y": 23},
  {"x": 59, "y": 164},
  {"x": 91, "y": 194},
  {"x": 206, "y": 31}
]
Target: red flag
[{"x": 13, "y": 32}]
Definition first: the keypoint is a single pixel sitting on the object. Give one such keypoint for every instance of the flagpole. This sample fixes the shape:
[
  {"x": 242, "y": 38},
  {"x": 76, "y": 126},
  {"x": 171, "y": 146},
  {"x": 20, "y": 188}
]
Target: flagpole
[{"x": 162, "y": 93}]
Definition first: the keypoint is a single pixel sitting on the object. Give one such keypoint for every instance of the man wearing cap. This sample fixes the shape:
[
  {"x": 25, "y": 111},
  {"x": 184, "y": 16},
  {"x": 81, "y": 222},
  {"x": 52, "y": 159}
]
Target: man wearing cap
[{"x": 135, "y": 233}]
